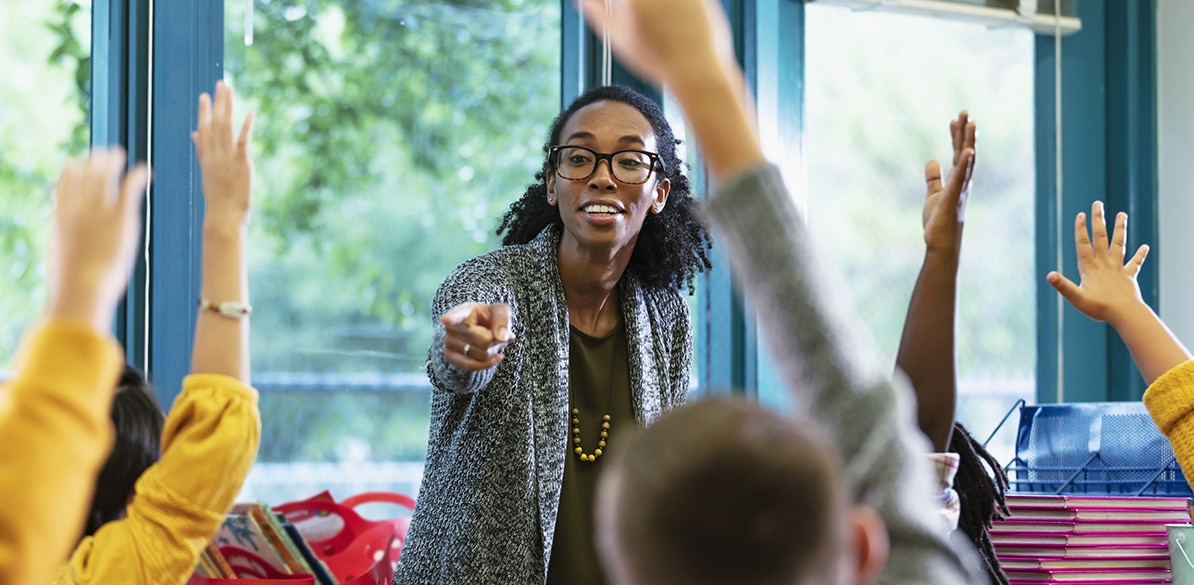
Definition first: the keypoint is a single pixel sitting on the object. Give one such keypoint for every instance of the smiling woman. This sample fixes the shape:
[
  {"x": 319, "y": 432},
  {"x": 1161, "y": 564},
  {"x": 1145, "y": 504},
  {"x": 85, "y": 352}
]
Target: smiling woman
[{"x": 550, "y": 346}]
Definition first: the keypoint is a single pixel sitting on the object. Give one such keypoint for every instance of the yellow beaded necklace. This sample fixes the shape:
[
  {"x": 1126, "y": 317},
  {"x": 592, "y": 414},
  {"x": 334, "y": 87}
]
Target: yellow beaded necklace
[{"x": 605, "y": 420}]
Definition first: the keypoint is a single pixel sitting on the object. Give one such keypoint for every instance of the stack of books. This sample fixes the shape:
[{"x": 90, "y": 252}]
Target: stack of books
[
  {"x": 257, "y": 542},
  {"x": 1087, "y": 539}
]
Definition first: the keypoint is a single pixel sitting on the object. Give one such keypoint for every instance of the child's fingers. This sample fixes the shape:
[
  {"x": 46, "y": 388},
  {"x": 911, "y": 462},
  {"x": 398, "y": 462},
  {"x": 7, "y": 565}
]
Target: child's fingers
[
  {"x": 932, "y": 177},
  {"x": 133, "y": 188},
  {"x": 245, "y": 138},
  {"x": 204, "y": 126},
  {"x": 68, "y": 187},
  {"x": 1082, "y": 242},
  {"x": 1066, "y": 287},
  {"x": 1098, "y": 228},
  {"x": 1137, "y": 262},
  {"x": 1119, "y": 237}
]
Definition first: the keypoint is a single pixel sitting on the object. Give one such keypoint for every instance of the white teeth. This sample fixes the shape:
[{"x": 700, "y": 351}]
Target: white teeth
[{"x": 600, "y": 209}]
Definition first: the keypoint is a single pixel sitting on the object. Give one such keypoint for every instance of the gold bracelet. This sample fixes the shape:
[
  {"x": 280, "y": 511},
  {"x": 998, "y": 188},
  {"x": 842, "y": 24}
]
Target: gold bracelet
[{"x": 229, "y": 309}]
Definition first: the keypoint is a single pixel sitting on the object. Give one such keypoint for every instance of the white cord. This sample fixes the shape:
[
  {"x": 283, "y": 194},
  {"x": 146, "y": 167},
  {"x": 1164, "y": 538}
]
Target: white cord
[
  {"x": 607, "y": 60},
  {"x": 1058, "y": 174},
  {"x": 248, "y": 22}
]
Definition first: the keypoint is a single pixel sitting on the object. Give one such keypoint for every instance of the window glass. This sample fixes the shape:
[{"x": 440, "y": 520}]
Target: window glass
[
  {"x": 45, "y": 57},
  {"x": 390, "y": 139},
  {"x": 881, "y": 89}
]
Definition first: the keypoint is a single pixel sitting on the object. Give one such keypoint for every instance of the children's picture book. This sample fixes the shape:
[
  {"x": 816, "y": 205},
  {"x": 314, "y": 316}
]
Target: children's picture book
[
  {"x": 323, "y": 575},
  {"x": 261, "y": 514},
  {"x": 241, "y": 531}
]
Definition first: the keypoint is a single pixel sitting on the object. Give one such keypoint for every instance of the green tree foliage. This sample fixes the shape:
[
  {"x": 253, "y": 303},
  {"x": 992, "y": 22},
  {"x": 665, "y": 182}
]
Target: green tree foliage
[
  {"x": 391, "y": 136},
  {"x": 43, "y": 121}
]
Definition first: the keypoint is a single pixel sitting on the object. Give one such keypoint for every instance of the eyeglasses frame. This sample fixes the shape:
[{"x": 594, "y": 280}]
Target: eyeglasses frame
[{"x": 553, "y": 158}]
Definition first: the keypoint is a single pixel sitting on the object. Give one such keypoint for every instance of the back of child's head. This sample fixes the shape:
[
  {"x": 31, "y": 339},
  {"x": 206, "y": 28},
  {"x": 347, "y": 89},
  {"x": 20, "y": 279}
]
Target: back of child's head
[
  {"x": 724, "y": 492},
  {"x": 138, "y": 421}
]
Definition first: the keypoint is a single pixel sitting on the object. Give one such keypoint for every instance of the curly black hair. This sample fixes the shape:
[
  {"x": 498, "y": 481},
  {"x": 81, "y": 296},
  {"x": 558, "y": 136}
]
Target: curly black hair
[{"x": 672, "y": 246}]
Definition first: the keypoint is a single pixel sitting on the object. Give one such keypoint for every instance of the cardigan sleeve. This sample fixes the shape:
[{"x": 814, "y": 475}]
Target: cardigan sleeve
[
  {"x": 868, "y": 417},
  {"x": 1170, "y": 402},
  {"x": 55, "y": 432},
  {"x": 209, "y": 442}
]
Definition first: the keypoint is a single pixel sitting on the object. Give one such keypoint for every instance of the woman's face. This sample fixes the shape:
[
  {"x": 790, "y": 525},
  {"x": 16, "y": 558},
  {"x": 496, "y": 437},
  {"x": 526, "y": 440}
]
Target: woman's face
[{"x": 601, "y": 212}]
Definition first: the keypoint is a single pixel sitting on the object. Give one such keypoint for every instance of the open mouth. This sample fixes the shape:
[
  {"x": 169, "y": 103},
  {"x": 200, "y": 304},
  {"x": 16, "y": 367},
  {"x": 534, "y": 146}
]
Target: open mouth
[{"x": 600, "y": 210}]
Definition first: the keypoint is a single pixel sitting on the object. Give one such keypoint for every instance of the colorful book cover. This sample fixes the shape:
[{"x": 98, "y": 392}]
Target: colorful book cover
[
  {"x": 260, "y": 514},
  {"x": 323, "y": 575},
  {"x": 241, "y": 531},
  {"x": 223, "y": 569}
]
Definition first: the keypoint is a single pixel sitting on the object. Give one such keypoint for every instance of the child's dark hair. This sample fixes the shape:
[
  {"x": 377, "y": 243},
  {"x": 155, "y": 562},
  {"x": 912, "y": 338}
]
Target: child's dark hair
[
  {"x": 138, "y": 420},
  {"x": 671, "y": 249},
  {"x": 980, "y": 495}
]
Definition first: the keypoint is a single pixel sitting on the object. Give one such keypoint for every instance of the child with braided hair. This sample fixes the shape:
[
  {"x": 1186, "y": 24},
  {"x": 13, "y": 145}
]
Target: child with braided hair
[{"x": 970, "y": 497}]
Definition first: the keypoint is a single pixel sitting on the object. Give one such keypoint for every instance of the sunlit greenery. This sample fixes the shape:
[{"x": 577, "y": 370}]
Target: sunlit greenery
[
  {"x": 391, "y": 136},
  {"x": 43, "y": 121}
]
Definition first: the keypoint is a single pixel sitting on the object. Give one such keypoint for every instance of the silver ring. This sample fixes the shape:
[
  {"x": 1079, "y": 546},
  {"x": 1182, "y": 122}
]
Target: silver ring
[{"x": 467, "y": 347}]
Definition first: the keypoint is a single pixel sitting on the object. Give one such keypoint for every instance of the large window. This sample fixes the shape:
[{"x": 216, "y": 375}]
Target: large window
[
  {"x": 881, "y": 89},
  {"x": 43, "y": 121},
  {"x": 391, "y": 138}
]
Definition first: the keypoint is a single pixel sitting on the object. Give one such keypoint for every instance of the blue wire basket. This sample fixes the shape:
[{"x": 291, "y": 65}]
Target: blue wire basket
[{"x": 1098, "y": 448}]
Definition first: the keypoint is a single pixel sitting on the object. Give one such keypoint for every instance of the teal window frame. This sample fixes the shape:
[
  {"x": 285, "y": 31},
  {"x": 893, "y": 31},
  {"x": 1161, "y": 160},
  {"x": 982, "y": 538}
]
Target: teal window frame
[{"x": 1109, "y": 140}]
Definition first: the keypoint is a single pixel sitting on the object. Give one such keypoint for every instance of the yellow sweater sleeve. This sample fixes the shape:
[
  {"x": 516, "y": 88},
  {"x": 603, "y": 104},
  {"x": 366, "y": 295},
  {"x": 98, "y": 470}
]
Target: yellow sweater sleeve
[
  {"x": 1170, "y": 401},
  {"x": 55, "y": 432},
  {"x": 208, "y": 445}
]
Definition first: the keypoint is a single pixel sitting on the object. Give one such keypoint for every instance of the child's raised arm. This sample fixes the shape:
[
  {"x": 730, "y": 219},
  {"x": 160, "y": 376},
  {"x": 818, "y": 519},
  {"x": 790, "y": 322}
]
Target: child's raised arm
[
  {"x": 927, "y": 349},
  {"x": 210, "y": 438},
  {"x": 1108, "y": 292},
  {"x": 54, "y": 425}
]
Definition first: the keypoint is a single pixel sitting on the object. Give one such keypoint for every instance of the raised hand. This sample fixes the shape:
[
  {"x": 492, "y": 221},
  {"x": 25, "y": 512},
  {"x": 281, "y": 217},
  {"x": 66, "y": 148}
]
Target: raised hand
[
  {"x": 476, "y": 334},
  {"x": 97, "y": 225},
  {"x": 224, "y": 158},
  {"x": 687, "y": 46},
  {"x": 661, "y": 40},
  {"x": 945, "y": 203},
  {"x": 1108, "y": 286}
]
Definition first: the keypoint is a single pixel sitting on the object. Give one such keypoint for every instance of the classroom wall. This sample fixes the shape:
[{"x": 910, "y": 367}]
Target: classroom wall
[{"x": 1175, "y": 162}]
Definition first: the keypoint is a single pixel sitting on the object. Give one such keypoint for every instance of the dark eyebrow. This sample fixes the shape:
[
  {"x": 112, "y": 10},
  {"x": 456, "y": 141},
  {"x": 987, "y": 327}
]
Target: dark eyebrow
[{"x": 589, "y": 136}]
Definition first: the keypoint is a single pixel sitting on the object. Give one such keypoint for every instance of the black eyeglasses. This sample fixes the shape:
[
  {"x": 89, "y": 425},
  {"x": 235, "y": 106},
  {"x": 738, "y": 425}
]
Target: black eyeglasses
[{"x": 577, "y": 163}]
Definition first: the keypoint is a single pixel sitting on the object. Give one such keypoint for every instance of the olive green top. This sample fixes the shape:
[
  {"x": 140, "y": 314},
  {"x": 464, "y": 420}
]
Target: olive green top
[{"x": 599, "y": 383}]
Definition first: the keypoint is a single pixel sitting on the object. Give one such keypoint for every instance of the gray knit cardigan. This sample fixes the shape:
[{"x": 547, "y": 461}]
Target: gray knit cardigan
[{"x": 487, "y": 507}]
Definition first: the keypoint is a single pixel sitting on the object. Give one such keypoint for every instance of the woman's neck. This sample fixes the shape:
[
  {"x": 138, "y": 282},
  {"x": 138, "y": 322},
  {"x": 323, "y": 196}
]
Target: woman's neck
[{"x": 591, "y": 287}]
